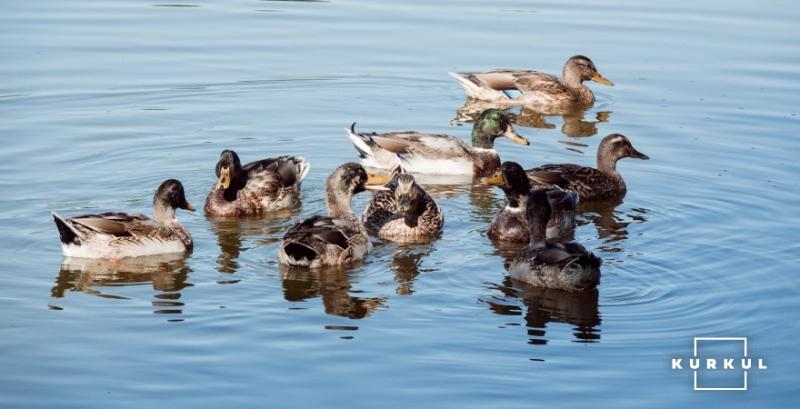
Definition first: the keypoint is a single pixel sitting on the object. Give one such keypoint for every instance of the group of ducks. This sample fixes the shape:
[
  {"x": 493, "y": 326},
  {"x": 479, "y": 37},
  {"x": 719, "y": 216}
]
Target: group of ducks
[{"x": 540, "y": 202}]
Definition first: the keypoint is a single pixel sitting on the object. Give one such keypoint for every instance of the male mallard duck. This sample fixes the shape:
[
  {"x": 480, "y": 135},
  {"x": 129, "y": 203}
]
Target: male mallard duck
[
  {"x": 511, "y": 224},
  {"x": 537, "y": 88},
  {"x": 404, "y": 213},
  {"x": 418, "y": 152},
  {"x": 116, "y": 235},
  {"x": 261, "y": 186},
  {"x": 565, "y": 266},
  {"x": 339, "y": 238},
  {"x": 590, "y": 183}
]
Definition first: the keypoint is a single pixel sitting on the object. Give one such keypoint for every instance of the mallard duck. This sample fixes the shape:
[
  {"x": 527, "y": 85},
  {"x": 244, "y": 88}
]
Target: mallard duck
[
  {"x": 262, "y": 186},
  {"x": 604, "y": 182},
  {"x": 511, "y": 224},
  {"x": 537, "y": 88},
  {"x": 115, "y": 235},
  {"x": 564, "y": 266},
  {"x": 338, "y": 238},
  {"x": 417, "y": 152},
  {"x": 404, "y": 213}
]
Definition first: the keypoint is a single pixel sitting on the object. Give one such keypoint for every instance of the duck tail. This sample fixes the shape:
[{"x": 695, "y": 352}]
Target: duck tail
[
  {"x": 66, "y": 232},
  {"x": 362, "y": 142},
  {"x": 302, "y": 167},
  {"x": 299, "y": 254},
  {"x": 472, "y": 89}
]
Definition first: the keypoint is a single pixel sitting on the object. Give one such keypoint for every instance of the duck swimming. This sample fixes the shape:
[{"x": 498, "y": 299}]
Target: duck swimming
[
  {"x": 115, "y": 235},
  {"x": 423, "y": 153},
  {"x": 262, "y": 186},
  {"x": 604, "y": 182},
  {"x": 336, "y": 239},
  {"x": 511, "y": 224},
  {"x": 563, "y": 266},
  {"x": 404, "y": 213},
  {"x": 537, "y": 88}
]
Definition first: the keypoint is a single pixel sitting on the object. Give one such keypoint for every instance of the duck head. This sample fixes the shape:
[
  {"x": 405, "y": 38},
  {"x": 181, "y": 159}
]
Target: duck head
[
  {"x": 579, "y": 68},
  {"x": 410, "y": 199},
  {"x": 613, "y": 148},
  {"x": 511, "y": 178},
  {"x": 228, "y": 170},
  {"x": 346, "y": 181},
  {"x": 491, "y": 124},
  {"x": 168, "y": 197}
]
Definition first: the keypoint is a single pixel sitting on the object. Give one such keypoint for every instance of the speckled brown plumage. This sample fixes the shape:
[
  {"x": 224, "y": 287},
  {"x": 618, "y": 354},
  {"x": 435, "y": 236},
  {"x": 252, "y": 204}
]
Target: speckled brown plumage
[{"x": 404, "y": 213}]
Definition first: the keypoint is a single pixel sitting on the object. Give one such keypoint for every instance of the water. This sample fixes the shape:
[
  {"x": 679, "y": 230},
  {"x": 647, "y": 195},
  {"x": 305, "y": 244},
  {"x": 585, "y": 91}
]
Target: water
[{"x": 101, "y": 101}]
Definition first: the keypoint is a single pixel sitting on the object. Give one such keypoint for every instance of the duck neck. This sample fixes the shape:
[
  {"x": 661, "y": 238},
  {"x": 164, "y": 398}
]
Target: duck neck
[
  {"x": 163, "y": 214},
  {"x": 607, "y": 164},
  {"x": 572, "y": 80},
  {"x": 480, "y": 139},
  {"x": 339, "y": 204}
]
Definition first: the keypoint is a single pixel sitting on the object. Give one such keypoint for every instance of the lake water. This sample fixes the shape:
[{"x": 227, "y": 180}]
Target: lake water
[{"x": 101, "y": 101}]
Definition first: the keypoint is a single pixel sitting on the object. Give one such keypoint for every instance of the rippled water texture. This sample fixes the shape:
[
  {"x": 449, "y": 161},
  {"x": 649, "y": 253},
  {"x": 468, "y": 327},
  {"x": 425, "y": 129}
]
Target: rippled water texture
[{"x": 102, "y": 100}]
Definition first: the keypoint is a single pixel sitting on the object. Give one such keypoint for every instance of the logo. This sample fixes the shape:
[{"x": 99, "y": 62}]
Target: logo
[{"x": 719, "y": 364}]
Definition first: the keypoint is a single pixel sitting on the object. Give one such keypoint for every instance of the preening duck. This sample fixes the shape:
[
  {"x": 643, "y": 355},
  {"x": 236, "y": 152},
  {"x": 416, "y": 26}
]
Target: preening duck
[
  {"x": 603, "y": 182},
  {"x": 262, "y": 186},
  {"x": 511, "y": 224},
  {"x": 537, "y": 88},
  {"x": 336, "y": 239},
  {"x": 417, "y": 152},
  {"x": 404, "y": 213},
  {"x": 115, "y": 235},
  {"x": 564, "y": 266}
]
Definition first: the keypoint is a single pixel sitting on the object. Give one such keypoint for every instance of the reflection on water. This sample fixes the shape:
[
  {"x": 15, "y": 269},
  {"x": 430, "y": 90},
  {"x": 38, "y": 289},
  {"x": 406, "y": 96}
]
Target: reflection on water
[
  {"x": 167, "y": 273},
  {"x": 230, "y": 230},
  {"x": 544, "y": 305},
  {"x": 574, "y": 120},
  {"x": 406, "y": 266},
  {"x": 333, "y": 285},
  {"x": 612, "y": 225}
]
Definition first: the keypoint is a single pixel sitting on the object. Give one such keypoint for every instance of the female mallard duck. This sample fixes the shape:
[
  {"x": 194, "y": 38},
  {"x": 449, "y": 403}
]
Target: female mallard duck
[
  {"x": 511, "y": 224},
  {"x": 339, "y": 238},
  {"x": 404, "y": 213},
  {"x": 262, "y": 186},
  {"x": 537, "y": 88},
  {"x": 418, "y": 152},
  {"x": 590, "y": 183},
  {"x": 116, "y": 235},
  {"x": 564, "y": 266}
]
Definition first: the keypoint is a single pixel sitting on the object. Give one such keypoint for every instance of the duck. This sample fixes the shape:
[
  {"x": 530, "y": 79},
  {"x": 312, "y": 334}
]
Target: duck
[
  {"x": 564, "y": 266},
  {"x": 423, "y": 153},
  {"x": 601, "y": 183},
  {"x": 405, "y": 213},
  {"x": 536, "y": 88},
  {"x": 116, "y": 235},
  {"x": 511, "y": 224},
  {"x": 256, "y": 188},
  {"x": 338, "y": 238}
]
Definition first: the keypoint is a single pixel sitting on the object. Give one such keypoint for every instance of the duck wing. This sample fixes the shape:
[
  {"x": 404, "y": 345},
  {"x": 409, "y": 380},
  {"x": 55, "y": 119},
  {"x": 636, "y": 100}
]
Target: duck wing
[
  {"x": 380, "y": 210},
  {"x": 533, "y": 82},
  {"x": 409, "y": 144},
  {"x": 114, "y": 224},
  {"x": 284, "y": 171}
]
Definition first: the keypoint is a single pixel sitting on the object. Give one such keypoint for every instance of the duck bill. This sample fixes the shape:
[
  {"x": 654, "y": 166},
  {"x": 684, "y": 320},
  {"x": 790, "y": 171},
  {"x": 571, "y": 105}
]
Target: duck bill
[
  {"x": 377, "y": 182},
  {"x": 638, "y": 155},
  {"x": 510, "y": 133},
  {"x": 188, "y": 206},
  {"x": 601, "y": 79},
  {"x": 497, "y": 179},
  {"x": 224, "y": 179}
]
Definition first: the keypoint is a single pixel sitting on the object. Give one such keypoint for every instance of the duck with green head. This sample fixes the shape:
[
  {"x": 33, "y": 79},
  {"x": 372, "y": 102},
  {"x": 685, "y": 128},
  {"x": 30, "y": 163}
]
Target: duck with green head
[
  {"x": 437, "y": 154},
  {"x": 537, "y": 88}
]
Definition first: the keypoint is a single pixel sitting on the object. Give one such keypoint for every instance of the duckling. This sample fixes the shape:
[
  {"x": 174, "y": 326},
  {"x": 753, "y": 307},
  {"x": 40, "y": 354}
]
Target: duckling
[
  {"x": 404, "y": 213},
  {"x": 339, "y": 238},
  {"x": 563, "y": 266},
  {"x": 262, "y": 186},
  {"x": 604, "y": 182},
  {"x": 511, "y": 224},
  {"x": 537, "y": 88},
  {"x": 115, "y": 235},
  {"x": 425, "y": 153}
]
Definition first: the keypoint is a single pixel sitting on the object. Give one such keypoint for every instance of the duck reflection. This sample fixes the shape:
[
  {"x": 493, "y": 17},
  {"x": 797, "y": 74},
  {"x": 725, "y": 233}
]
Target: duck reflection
[
  {"x": 574, "y": 119},
  {"x": 333, "y": 285},
  {"x": 544, "y": 305},
  {"x": 406, "y": 266},
  {"x": 167, "y": 273},
  {"x": 231, "y": 230},
  {"x": 611, "y": 224}
]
